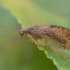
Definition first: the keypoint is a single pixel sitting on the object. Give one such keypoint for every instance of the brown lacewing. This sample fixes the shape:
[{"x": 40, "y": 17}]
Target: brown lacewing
[{"x": 50, "y": 35}]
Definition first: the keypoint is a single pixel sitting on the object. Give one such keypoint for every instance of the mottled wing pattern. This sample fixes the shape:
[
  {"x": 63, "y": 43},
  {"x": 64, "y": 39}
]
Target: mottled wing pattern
[
  {"x": 51, "y": 35},
  {"x": 60, "y": 34}
]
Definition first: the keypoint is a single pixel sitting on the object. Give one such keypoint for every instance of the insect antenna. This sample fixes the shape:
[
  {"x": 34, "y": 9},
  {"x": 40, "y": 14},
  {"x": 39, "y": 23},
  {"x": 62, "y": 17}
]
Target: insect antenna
[
  {"x": 8, "y": 34},
  {"x": 12, "y": 32},
  {"x": 8, "y": 27}
]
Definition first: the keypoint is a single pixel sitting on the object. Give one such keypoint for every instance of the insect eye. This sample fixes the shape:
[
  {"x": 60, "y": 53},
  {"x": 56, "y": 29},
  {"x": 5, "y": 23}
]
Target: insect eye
[{"x": 21, "y": 35}]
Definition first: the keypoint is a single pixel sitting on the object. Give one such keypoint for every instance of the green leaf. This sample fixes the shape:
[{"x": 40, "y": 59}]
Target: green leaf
[
  {"x": 30, "y": 13},
  {"x": 60, "y": 60},
  {"x": 37, "y": 12}
]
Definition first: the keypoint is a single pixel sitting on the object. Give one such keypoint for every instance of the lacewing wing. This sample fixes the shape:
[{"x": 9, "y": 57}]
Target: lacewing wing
[{"x": 48, "y": 35}]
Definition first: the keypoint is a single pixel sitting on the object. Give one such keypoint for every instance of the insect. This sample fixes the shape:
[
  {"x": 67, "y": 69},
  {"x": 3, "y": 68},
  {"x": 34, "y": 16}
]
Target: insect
[{"x": 50, "y": 35}]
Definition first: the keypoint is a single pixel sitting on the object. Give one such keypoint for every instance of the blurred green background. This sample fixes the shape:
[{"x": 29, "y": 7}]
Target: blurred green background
[{"x": 20, "y": 54}]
